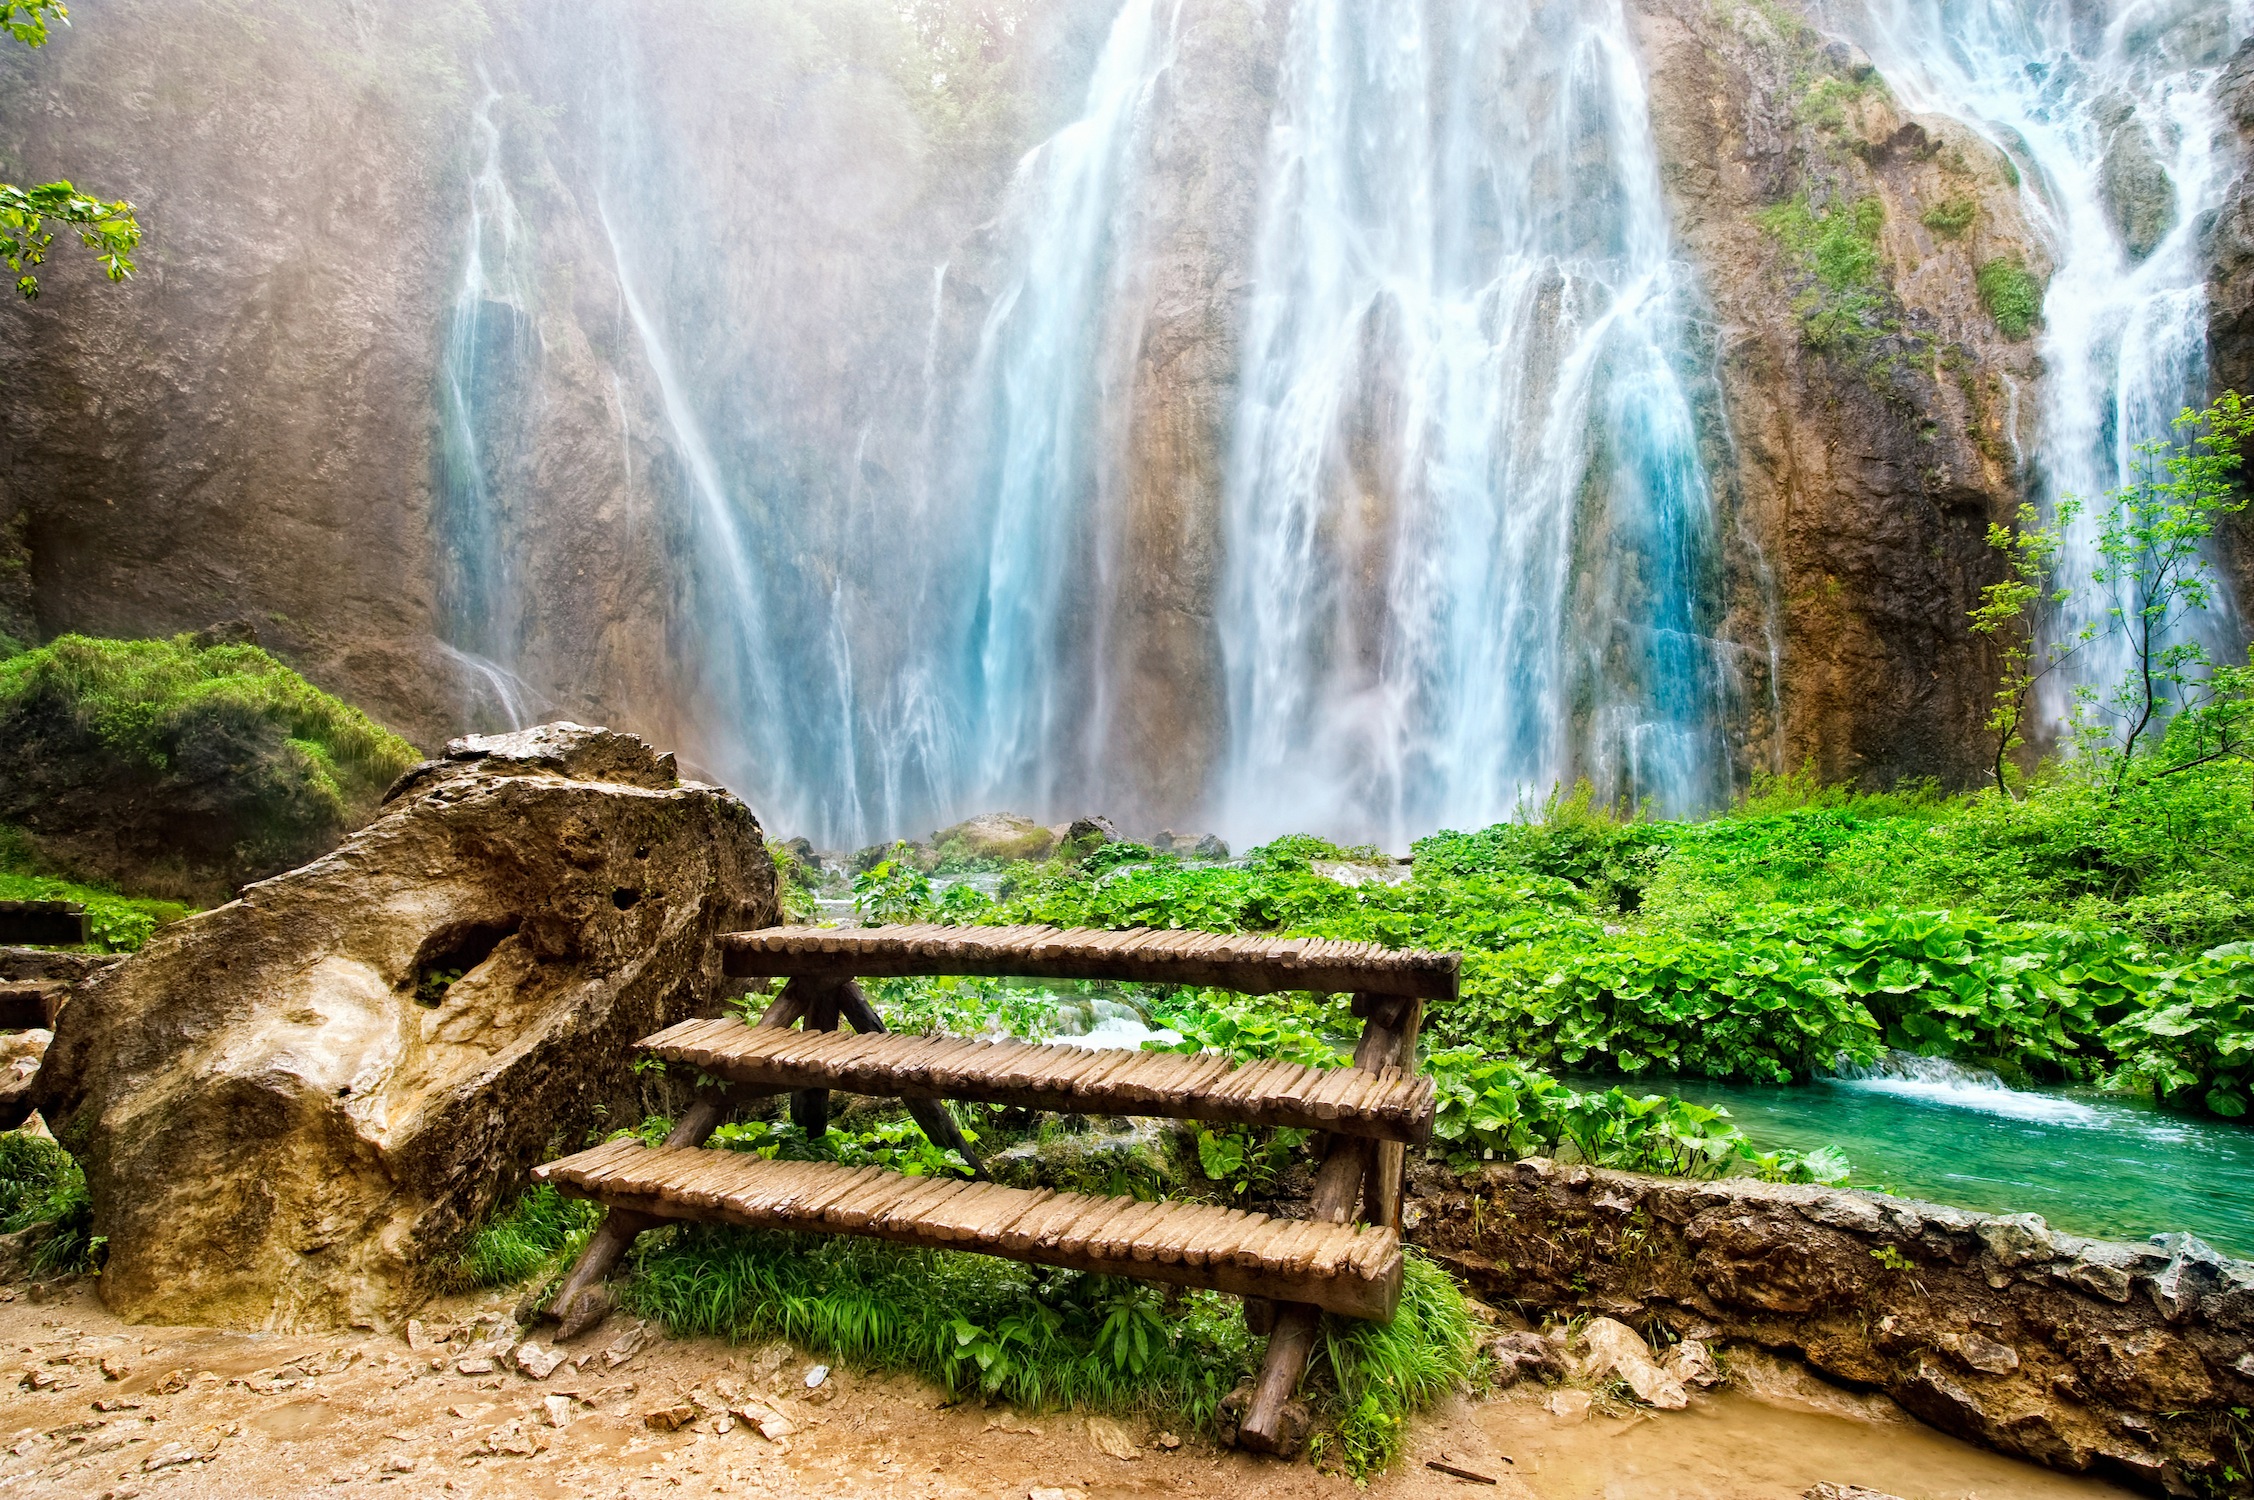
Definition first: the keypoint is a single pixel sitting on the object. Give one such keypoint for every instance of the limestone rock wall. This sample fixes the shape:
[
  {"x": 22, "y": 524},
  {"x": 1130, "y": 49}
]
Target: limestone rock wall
[{"x": 2084, "y": 1355}]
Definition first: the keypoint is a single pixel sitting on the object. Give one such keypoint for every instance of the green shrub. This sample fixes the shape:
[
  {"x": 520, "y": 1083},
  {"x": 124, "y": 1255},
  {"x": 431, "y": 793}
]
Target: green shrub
[
  {"x": 217, "y": 761},
  {"x": 1837, "y": 247},
  {"x": 1952, "y": 216},
  {"x": 2012, "y": 295}
]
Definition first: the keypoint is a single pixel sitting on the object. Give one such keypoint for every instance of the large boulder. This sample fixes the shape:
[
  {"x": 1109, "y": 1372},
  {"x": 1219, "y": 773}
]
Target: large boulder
[{"x": 293, "y": 1109}]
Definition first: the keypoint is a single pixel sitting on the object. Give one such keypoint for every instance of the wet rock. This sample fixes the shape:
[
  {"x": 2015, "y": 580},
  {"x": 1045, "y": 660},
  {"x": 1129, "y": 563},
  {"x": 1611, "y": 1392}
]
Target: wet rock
[
  {"x": 1618, "y": 1351},
  {"x": 1692, "y": 1363},
  {"x": 2139, "y": 196},
  {"x": 1520, "y": 1355},
  {"x": 1568, "y": 1406},
  {"x": 2192, "y": 1265},
  {"x": 1979, "y": 1352},
  {"x": 292, "y": 1109},
  {"x": 535, "y": 1361},
  {"x": 628, "y": 1344},
  {"x": 670, "y": 1418},
  {"x": 1994, "y": 1328},
  {"x": 994, "y": 836}
]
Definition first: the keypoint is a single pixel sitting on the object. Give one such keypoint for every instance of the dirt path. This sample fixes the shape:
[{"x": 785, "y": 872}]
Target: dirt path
[{"x": 95, "y": 1408}]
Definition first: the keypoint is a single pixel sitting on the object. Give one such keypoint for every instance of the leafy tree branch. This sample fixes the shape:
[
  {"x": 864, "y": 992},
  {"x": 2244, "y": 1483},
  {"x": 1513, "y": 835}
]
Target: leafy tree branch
[{"x": 32, "y": 217}]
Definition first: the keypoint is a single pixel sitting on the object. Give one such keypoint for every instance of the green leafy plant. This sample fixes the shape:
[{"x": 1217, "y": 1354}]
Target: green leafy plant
[
  {"x": 32, "y": 217},
  {"x": 2012, "y": 295},
  {"x": 540, "y": 1229},
  {"x": 41, "y": 1185}
]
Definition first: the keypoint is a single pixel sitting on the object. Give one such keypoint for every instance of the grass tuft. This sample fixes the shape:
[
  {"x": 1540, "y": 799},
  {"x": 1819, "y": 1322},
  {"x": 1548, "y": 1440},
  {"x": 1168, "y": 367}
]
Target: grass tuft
[
  {"x": 1037, "y": 1338},
  {"x": 541, "y": 1229},
  {"x": 40, "y": 1184}
]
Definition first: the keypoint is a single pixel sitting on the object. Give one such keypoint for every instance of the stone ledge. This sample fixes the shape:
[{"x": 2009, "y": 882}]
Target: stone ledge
[{"x": 2080, "y": 1354}]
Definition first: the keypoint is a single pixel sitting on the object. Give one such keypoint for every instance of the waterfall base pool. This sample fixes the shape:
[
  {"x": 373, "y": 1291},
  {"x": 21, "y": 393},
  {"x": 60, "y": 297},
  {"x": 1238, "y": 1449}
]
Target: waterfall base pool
[{"x": 2090, "y": 1163}]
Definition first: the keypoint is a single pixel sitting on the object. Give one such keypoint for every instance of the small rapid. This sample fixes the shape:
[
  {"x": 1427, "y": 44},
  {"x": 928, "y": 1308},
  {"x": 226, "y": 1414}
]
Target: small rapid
[
  {"x": 2090, "y": 1162},
  {"x": 1938, "y": 1081}
]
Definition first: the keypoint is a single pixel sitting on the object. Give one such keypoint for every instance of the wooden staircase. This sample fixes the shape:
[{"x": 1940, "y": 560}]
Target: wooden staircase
[{"x": 1345, "y": 1257}]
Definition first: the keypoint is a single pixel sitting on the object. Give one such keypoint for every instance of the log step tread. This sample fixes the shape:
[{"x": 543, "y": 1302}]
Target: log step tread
[
  {"x": 1384, "y": 1104},
  {"x": 1249, "y": 962},
  {"x": 1343, "y": 1268}
]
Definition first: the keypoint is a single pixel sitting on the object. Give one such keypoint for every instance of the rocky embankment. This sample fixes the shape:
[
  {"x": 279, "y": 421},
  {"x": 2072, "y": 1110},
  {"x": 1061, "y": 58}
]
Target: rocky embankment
[{"x": 2083, "y": 1355}]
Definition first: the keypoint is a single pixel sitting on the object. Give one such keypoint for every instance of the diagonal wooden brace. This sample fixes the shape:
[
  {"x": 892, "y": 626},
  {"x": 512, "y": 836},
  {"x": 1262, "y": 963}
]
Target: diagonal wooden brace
[{"x": 583, "y": 1300}]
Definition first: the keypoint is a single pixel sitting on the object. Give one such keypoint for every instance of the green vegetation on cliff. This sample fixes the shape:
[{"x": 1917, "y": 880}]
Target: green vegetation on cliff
[
  {"x": 2012, "y": 295},
  {"x": 181, "y": 769}
]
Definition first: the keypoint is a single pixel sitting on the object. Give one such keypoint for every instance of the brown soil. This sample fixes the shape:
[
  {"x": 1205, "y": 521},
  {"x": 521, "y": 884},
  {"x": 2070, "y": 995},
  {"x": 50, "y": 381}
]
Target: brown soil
[{"x": 185, "y": 1413}]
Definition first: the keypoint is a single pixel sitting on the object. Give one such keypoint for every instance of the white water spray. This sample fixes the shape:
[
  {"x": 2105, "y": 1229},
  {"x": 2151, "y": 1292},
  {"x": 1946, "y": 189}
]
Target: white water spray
[{"x": 1468, "y": 526}]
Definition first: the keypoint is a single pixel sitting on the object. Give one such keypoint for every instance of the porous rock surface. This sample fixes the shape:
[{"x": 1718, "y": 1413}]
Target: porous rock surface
[
  {"x": 2079, "y": 1354},
  {"x": 291, "y": 1111}
]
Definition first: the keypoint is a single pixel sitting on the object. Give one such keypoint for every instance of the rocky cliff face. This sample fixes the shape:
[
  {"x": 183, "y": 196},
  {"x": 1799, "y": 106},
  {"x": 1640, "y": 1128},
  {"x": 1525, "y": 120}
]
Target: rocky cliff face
[
  {"x": 243, "y": 429},
  {"x": 1875, "y": 416},
  {"x": 736, "y": 266}
]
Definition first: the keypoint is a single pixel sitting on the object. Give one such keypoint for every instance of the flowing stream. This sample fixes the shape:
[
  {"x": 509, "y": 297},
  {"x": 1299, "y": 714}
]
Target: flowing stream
[{"x": 2090, "y": 1163}]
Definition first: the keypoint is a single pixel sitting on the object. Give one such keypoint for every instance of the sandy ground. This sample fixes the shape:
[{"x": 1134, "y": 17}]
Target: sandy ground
[{"x": 96, "y": 1409}]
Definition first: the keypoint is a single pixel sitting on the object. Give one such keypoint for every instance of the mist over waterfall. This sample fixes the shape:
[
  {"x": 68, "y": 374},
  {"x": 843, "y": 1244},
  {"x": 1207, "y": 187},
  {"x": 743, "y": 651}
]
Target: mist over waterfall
[
  {"x": 1469, "y": 533},
  {"x": 2113, "y": 116},
  {"x": 1042, "y": 437},
  {"x": 1310, "y": 415}
]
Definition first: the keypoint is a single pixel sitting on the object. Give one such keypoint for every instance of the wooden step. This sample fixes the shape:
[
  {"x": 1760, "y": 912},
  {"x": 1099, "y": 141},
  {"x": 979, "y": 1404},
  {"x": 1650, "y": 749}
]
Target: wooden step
[
  {"x": 1338, "y": 1267},
  {"x": 1383, "y": 1105},
  {"x": 1248, "y": 963}
]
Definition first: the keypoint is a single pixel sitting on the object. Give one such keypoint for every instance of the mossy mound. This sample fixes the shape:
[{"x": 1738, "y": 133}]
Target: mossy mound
[{"x": 181, "y": 770}]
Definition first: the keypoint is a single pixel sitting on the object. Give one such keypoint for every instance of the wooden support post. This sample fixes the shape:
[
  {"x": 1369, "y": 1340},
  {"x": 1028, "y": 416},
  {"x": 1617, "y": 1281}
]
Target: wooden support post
[
  {"x": 1389, "y": 1164},
  {"x": 1339, "y": 1186},
  {"x": 810, "y": 1108},
  {"x": 930, "y": 1115},
  {"x": 583, "y": 1300}
]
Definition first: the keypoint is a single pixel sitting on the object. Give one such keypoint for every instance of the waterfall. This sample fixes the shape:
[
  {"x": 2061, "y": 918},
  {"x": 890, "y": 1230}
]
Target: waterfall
[
  {"x": 486, "y": 343},
  {"x": 2110, "y": 114},
  {"x": 1051, "y": 366},
  {"x": 1470, "y": 539}
]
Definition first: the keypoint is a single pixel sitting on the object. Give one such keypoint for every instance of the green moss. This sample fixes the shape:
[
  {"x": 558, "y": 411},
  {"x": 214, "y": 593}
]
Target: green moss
[
  {"x": 2012, "y": 295},
  {"x": 540, "y": 1230},
  {"x": 181, "y": 769},
  {"x": 143, "y": 699},
  {"x": 1846, "y": 303},
  {"x": 1952, "y": 216}
]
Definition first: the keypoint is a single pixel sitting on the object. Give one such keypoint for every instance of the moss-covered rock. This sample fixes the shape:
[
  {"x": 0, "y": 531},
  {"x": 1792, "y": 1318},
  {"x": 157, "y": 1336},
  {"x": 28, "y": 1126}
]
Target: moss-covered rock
[{"x": 181, "y": 769}]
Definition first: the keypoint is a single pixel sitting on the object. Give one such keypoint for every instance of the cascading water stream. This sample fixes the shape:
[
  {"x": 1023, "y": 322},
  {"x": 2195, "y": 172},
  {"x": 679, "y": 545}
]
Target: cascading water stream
[
  {"x": 1053, "y": 360},
  {"x": 2112, "y": 117},
  {"x": 485, "y": 337},
  {"x": 1469, "y": 534}
]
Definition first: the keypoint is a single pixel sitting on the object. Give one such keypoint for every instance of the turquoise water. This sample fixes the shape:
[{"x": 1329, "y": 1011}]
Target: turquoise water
[{"x": 2088, "y": 1162}]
